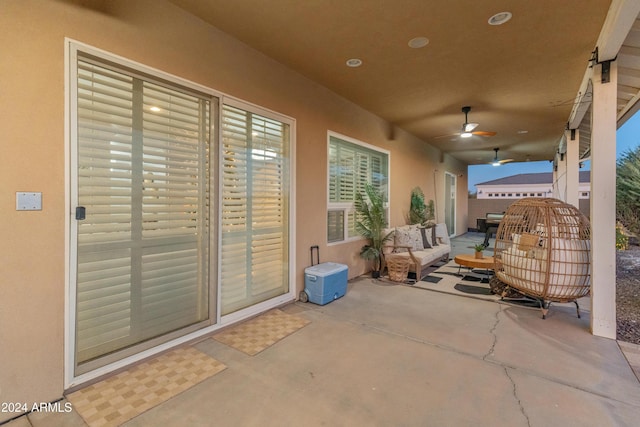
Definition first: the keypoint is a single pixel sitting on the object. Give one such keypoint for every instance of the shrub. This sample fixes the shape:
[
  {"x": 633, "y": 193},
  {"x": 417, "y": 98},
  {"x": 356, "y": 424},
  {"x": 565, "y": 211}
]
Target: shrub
[
  {"x": 628, "y": 191},
  {"x": 622, "y": 241}
]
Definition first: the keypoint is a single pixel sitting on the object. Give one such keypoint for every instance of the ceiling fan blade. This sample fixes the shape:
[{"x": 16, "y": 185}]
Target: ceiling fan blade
[
  {"x": 496, "y": 162},
  {"x": 484, "y": 133},
  {"x": 450, "y": 135}
]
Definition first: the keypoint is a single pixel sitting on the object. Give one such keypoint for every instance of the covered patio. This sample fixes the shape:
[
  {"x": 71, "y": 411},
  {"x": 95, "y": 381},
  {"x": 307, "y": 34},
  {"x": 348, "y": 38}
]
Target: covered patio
[
  {"x": 396, "y": 87},
  {"x": 399, "y": 355},
  {"x": 517, "y": 98}
]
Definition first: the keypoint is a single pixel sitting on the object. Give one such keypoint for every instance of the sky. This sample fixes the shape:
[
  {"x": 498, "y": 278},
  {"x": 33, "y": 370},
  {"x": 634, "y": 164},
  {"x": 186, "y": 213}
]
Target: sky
[{"x": 627, "y": 138}]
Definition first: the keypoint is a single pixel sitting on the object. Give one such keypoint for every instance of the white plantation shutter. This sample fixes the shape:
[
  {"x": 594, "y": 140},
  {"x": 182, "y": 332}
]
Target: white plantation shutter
[
  {"x": 351, "y": 166},
  {"x": 333, "y": 173},
  {"x": 255, "y": 198},
  {"x": 142, "y": 155}
]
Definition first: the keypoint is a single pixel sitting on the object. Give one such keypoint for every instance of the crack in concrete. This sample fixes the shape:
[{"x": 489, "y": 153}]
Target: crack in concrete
[
  {"x": 515, "y": 396},
  {"x": 485, "y": 358},
  {"x": 492, "y": 331},
  {"x": 503, "y": 364}
]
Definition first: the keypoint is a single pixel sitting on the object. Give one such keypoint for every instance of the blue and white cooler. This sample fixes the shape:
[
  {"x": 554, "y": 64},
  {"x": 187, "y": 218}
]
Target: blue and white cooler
[{"x": 324, "y": 282}]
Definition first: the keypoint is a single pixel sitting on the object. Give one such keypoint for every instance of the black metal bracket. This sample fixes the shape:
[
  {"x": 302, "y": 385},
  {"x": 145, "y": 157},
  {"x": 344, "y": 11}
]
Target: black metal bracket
[
  {"x": 605, "y": 76},
  {"x": 594, "y": 58}
]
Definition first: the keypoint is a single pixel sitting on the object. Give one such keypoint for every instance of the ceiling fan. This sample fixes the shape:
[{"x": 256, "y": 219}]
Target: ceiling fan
[
  {"x": 468, "y": 128},
  {"x": 497, "y": 162}
]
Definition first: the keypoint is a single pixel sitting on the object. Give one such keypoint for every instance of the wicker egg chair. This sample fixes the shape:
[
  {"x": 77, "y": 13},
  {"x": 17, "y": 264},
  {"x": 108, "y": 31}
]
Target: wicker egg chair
[{"x": 543, "y": 249}]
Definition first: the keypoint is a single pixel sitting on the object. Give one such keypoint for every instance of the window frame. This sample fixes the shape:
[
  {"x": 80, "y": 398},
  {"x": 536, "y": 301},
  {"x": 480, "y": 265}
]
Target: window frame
[{"x": 347, "y": 207}]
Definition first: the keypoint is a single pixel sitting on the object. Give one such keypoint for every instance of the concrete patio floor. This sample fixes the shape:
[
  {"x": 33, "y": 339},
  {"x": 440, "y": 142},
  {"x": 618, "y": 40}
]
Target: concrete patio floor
[{"x": 395, "y": 355}]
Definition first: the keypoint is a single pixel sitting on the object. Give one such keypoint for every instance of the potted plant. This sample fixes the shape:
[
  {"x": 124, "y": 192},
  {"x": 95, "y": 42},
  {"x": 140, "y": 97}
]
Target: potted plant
[
  {"x": 370, "y": 224},
  {"x": 479, "y": 248},
  {"x": 419, "y": 211}
]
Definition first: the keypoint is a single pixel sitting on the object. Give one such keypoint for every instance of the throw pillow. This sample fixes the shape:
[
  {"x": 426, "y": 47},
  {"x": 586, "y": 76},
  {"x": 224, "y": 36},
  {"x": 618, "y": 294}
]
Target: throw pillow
[
  {"x": 408, "y": 236},
  {"x": 415, "y": 239},
  {"x": 434, "y": 240},
  {"x": 401, "y": 238},
  {"x": 528, "y": 241},
  {"x": 425, "y": 239}
]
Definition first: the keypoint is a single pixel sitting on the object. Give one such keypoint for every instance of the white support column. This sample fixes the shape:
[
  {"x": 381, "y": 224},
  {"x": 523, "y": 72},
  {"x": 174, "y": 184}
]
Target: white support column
[
  {"x": 560, "y": 178},
  {"x": 573, "y": 167},
  {"x": 603, "y": 204},
  {"x": 554, "y": 178}
]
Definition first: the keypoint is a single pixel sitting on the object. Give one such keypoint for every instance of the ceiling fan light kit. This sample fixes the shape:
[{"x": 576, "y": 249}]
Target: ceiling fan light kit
[
  {"x": 497, "y": 162},
  {"x": 468, "y": 128}
]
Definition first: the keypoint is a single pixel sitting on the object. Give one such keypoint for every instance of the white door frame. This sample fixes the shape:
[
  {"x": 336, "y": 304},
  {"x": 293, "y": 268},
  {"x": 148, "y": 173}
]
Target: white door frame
[
  {"x": 72, "y": 380},
  {"x": 450, "y": 194}
]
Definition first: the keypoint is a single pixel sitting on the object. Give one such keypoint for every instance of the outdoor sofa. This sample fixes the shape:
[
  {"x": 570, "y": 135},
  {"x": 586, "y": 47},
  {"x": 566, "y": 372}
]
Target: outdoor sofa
[{"x": 421, "y": 246}]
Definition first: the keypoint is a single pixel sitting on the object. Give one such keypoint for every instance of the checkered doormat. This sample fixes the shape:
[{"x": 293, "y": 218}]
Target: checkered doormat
[
  {"x": 124, "y": 396},
  {"x": 262, "y": 332}
]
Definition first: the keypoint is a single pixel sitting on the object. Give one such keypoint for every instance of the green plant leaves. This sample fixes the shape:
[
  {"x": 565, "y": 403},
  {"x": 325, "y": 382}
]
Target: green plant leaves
[
  {"x": 370, "y": 223},
  {"x": 628, "y": 190},
  {"x": 419, "y": 211}
]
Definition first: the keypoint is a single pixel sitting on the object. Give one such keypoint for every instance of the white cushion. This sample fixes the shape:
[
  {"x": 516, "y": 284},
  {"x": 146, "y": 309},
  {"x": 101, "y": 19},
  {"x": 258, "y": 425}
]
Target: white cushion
[
  {"x": 427, "y": 256},
  {"x": 442, "y": 234},
  {"x": 522, "y": 270},
  {"x": 569, "y": 265}
]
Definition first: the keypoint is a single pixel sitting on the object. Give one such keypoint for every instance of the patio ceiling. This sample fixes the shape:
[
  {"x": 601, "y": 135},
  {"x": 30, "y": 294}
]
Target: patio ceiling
[{"x": 520, "y": 78}]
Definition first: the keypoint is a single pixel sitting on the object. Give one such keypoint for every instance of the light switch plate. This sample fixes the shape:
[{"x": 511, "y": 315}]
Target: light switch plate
[{"x": 28, "y": 201}]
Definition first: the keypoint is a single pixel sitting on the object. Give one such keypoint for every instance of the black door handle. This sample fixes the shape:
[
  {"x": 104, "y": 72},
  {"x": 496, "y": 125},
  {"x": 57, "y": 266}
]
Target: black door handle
[{"x": 81, "y": 213}]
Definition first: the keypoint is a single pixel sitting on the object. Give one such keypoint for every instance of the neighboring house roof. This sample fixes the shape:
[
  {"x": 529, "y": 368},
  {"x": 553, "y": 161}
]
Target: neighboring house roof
[{"x": 532, "y": 178}]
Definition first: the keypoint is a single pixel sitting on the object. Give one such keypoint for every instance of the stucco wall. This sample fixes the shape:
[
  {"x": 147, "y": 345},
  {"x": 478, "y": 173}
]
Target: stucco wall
[{"x": 160, "y": 35}]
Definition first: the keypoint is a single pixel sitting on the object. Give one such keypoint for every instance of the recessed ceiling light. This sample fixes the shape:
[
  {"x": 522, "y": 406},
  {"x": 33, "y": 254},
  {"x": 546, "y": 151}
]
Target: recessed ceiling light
[
  {"x": 418, "y": 42},
  {"x": 522, "y": 132},
  {"x": 155, "y": 109},
  {"x": 354, "y": 62},
  {"x": 500, "y": 18}
]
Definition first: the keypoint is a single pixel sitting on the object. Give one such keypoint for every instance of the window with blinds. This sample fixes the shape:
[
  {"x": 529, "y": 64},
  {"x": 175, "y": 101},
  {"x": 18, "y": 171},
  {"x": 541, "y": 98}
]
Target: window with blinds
[
  {"x": 143, "y": 179},
  {"x": 255, "y": 204},
  {"x": 351, "y": 166}
]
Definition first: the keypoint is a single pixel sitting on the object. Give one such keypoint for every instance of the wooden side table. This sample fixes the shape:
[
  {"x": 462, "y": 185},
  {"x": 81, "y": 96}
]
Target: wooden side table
[{"x": 469, "y": 260}]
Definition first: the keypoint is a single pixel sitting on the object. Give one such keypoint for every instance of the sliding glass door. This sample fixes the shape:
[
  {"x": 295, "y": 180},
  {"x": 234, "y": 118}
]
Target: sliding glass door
[
  {"x": 255, "y": 166},
  {"x": 180, "y": 210},
  {"x": 141, "y": 215}
]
